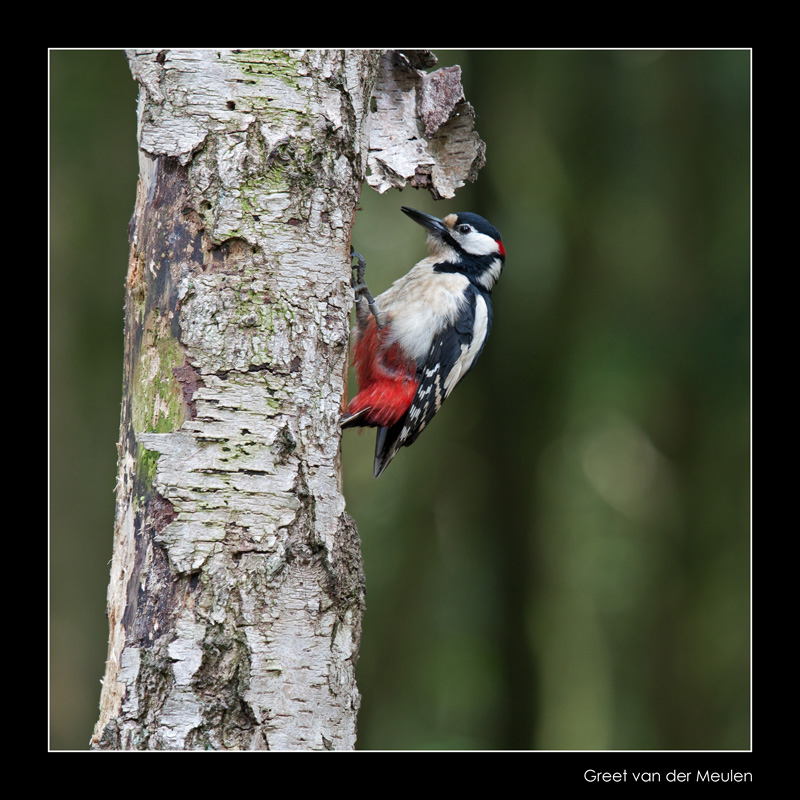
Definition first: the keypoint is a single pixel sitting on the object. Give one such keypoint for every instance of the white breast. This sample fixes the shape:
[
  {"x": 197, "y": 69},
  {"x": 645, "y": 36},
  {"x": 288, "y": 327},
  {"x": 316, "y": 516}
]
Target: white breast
[{"x": 420, "y": 304}]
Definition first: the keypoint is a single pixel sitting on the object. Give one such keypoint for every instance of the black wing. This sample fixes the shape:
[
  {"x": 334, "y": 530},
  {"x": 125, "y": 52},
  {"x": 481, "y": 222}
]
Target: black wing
[{"x": 435, "y": 379}]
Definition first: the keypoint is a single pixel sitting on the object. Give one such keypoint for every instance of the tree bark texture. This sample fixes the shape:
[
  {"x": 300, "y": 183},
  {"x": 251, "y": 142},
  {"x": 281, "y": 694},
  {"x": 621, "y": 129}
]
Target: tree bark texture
[{"x": 237, "y": 591}]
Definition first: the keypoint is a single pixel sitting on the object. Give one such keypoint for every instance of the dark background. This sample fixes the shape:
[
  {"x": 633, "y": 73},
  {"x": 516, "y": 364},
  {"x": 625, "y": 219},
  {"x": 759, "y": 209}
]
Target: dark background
[{"x": 562, "y": 560}]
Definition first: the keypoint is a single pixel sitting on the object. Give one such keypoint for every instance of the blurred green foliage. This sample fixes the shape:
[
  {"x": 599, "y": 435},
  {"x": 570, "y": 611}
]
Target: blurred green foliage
[
  {"x": 93, "y": 172},
  {"x": 562, "y": 560}
]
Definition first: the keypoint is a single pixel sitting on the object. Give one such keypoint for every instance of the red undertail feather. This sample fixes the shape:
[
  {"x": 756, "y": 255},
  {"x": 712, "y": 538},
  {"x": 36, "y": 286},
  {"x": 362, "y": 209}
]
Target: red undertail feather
[{"x": 386, "y": 381}]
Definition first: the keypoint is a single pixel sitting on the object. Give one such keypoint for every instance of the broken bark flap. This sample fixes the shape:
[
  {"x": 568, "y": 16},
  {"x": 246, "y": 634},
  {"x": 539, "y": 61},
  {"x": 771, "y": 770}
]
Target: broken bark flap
[{"x": 422, "y": 127}]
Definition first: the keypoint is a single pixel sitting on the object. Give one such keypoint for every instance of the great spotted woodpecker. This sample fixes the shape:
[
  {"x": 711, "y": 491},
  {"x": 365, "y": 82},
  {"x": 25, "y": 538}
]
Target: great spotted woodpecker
[{"x": 415, "y": 342}]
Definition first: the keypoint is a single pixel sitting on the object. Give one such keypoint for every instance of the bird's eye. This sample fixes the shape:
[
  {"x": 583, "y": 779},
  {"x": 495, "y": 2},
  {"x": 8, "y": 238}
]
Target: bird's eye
[{"x": 464, "y": 229}]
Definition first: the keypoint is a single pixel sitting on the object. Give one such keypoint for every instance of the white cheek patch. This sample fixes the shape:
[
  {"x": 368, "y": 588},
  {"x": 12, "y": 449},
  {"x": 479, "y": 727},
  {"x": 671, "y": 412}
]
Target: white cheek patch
[{"x": 479, "y": 244}]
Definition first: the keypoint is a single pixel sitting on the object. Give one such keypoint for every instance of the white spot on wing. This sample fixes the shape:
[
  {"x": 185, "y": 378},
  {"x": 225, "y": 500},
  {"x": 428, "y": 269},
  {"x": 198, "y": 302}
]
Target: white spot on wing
[{"x": 469, "y": 353}]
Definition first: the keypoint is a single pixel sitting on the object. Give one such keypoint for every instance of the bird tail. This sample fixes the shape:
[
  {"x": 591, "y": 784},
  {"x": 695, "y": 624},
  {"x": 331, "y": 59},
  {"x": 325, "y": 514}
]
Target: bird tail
[{"x": 387, "y": 443}]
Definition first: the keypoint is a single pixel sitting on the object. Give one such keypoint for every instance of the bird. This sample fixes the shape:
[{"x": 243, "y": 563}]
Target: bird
[{"x": 416, "y": 341}]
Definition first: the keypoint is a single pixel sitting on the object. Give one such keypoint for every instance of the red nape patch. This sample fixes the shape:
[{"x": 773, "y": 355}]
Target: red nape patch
[
  {"x": 386, "y": 380},
  {"x": 501, "y": 248}
]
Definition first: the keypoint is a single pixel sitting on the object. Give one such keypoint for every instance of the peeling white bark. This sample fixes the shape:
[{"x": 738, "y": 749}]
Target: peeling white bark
[
  {"x": 422, "y": 129},
  {"x": 236, "y": 589}
]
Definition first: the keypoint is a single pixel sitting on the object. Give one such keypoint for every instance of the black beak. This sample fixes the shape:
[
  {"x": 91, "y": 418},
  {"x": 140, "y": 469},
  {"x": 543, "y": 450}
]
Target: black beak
[{"x": 426, "y": 220}]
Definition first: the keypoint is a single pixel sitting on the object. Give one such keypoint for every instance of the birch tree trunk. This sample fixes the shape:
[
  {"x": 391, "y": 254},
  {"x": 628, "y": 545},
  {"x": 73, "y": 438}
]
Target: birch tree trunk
[{"x": 237, "y": 591}]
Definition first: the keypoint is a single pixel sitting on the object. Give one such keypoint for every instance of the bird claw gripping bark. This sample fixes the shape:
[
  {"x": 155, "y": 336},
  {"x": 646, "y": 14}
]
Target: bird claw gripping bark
[{"x": 360, "y": 287}]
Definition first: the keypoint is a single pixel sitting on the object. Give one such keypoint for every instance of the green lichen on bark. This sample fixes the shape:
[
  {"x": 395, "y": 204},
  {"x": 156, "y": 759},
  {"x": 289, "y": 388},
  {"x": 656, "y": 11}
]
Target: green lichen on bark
[
  {"x": 157, "y": 401},
  {"x": 234, "y": 590}
]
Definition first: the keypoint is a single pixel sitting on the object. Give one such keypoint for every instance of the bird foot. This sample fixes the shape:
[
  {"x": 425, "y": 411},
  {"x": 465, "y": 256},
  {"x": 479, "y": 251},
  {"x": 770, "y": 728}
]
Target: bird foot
[{"x": 360, "y": 287}]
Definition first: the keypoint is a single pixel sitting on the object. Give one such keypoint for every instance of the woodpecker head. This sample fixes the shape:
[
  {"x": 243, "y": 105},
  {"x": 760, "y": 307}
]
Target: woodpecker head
[{"x": 465, "y": 243}]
